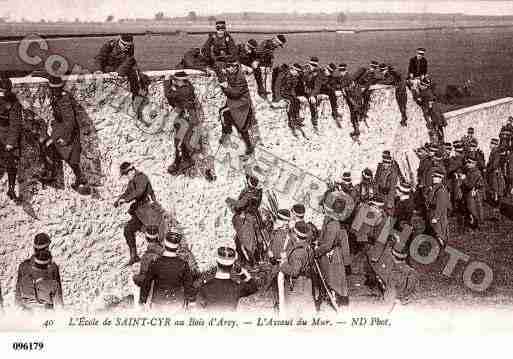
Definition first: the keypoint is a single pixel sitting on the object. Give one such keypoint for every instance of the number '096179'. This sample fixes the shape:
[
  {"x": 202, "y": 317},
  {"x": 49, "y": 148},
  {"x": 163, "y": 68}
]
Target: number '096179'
[{"x": 28, "y": 346}]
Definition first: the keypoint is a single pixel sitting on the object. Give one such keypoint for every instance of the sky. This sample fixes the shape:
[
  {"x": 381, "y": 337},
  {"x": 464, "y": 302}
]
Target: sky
[{"x": 100, "y": 9}]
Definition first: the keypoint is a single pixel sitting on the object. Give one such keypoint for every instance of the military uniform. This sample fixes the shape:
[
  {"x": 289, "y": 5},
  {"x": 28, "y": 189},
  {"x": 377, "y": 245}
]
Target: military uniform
[
  {"x": 10, "y": 135},
  {"x": 222, "y": 293},
  {"x": 365, "y": 190},
  {"x": 183, "y": 98},
  {"x": 173, "y": 282},
  {"x": 495, "y": 178},
  {"x": 192, "y": 59},
  {"x": 439, "y": 205},
  {"x": 288, "y": 90},
  {"x": 393, "y": 78},
  {"x": 314, "y": 80},
  {"x": 473, "y": 184},
  {"x": 142, "y": 211},
  {"x": 118, "y": 56},
  {"x": 38, "y": 285},
  {"x": 435, "y": 120},
  {"x": 365, "y": 78},
  {"x": 245, "y": 221},
  {"x": 265, "y": 57},
  {"x": 153, "y": 252},
  {"x": 217, "y": 48},
  {"x": 334, "y": 256},
  {"x": 417, "y": 67},
  {"x": 386, "y": 179},
  {"x": 238, "y": 110},
  {"x": 64, "y": 142}
]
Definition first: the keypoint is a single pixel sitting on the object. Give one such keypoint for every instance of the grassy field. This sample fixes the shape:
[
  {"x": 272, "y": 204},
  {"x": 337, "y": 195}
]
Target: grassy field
[{"x": 484, "y": 56}]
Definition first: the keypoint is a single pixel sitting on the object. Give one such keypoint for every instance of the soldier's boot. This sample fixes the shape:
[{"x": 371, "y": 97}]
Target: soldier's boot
[
  {"x": 404, "y": 120},
  {"x": 247, "y": 141},
  {"x": 80, "y": 184},
  {"x": 314, "y": 114},
  {"x": 11, "y": 193}
]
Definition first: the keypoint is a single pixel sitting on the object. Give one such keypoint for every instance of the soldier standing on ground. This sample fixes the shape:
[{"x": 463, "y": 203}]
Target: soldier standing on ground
[
  {"x": 222, "y": 293},
  {"x": 245, "y": 220},
  {"x": 386, "y": 179},
  {"x": 473, "y": 184},
  {"x": 140, "y": 192},
  {"x": 10, "y": 135},
  {"x": 39, "y": 284},
  {"x": 495, "y": 177},
  {"x": 171, "y": 277},
  {"x": 64, "y": 142},
  {"x": 438, "y": 204},
  {"x": 238, "y": 111}
]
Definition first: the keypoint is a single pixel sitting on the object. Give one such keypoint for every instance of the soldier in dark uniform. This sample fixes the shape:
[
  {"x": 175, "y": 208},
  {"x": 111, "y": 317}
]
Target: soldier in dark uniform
[
  {"x": 507, "y": 129},
  {"x": 265, "y": 56},
  {"x": 238, "y": 111},
  {"x": 475, "y": 152},
  {"x": 329, "y": 88},
  {"x": 353, "y": 94},
  {"x": 192, "y": 59},
  {"x": 39, "y": 284},
  {"x": 393, "y": 78},
  {"x": 247, "y": 54},
  {"x": 222, "y": 293},
  {"x": 64, "y": 142},
  {"x": 171, "y": 277},
  {"x": 455, "y": 171},
  {"x": 298, "y": 212},
  {"x": 118, "y": 56},
  {"x": 417, "y": 70},
  {"x": 296, "y": 266},
  {"x": 468, "y": 138},
  {"x": 245, "y": 220},
  {"x": 288, "y": 90},
  {"x": 386, "y": 179},
  {"x": 435, "y": 120},
  {"x": 365, "y": 78},
  {"x": 438, "y": 204},
  {"x": 495, "y": 177},
  {"x": 218, "y": 47},
  {"x": 181, "y": 96},
  {"x": 404, "y": 207},
  {"x": 333, "y": 251},
  {"x": 154, "y": 250},
  {"x": 10, "y": 135},
  {"x": 473, "y": 184},
  {"x": 140, "y": 192},
  {"x": 279, "y": 235},
  {"x": 314, "y": 79},
  {"x": 365, "y": 189}
]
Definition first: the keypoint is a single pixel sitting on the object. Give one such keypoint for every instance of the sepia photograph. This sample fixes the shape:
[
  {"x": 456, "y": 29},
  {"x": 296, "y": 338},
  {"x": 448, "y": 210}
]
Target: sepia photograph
[{"x": 312, "y": 167}]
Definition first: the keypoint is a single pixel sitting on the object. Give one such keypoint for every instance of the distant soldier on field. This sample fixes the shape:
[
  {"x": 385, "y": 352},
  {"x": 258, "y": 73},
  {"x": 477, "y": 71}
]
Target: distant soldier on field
[
  {"x": 495, "y": 177},
  {"x": 171, "y": 278},
  {"x": 118, "y": 56},
  {"x": 143, "y": 210},
  {"x": 393, "y": 78},
  {"x": 38, "y": 286},
  {"x": 246, "y": 220},
  {"x": 64, "y": 142},
  {"x": 265, "y": 57},
  {"x": 11, "y": 125},
  {"x": 222, "y": 293},
  {"x": 182, "y": 97},
  {"x": 417, "y": 70},
  {"x": 238, "y": 111}
]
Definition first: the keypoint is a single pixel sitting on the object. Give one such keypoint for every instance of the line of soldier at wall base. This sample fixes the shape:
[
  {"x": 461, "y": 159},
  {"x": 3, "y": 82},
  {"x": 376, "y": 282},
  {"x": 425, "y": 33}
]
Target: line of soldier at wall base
[{"x": 453, "y": 180}]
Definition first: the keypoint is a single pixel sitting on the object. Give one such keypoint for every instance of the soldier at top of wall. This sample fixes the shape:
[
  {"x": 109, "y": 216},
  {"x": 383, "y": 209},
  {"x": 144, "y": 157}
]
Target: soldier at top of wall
[
  {"x": 118, "y": 55},
  {"x": 10, "y": 135},
  {"x": 265, "y": 56},
  {"x": 417, "y": 70},
  {"x": 218, "y": 47},
  {"x": 238, "y": 111},
  {"x": 392, "y": 77},
  {"x": 222, "y": 293}
]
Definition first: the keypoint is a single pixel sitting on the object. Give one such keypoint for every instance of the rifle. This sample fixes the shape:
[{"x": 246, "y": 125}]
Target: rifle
[{"x": 330, "y": 294}]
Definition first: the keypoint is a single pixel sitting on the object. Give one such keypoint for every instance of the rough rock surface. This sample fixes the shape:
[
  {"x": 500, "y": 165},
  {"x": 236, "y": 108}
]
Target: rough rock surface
[{"x": 87, "y": 235}]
